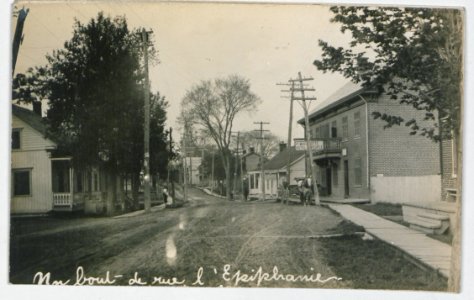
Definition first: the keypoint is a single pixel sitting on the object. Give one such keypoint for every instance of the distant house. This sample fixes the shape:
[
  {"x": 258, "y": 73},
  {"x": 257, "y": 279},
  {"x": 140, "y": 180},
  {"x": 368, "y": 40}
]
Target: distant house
[
  {"x": 356, "y": 157},
  {"x": 41, "y": 182},
  {"x": 250, "y": 160},
  {"x": 193, "y": 172},
  {"x": 276, "y": 172}
]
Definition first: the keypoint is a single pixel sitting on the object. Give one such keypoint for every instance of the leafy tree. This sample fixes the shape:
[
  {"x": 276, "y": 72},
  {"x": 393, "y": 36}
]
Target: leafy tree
[
  {"x": 412, "y": 54},
  {"x": 94, "y": 89},
  {"x": 212, "y": 106}
]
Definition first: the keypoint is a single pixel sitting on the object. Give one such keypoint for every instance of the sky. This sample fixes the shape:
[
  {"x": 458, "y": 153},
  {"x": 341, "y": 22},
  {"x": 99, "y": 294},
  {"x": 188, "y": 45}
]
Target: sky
[{"x": 267, "y": 44}]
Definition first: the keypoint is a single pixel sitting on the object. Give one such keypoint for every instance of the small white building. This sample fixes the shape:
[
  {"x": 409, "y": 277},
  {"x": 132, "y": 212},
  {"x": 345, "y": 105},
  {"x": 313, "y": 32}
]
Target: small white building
[
  {"x": 276, "y": 172},
  {"x": 192, "y": 170}
]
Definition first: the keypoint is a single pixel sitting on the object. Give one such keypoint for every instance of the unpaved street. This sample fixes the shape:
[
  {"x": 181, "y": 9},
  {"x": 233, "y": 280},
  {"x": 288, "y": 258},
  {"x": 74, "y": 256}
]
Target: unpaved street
[
  {"x": 209, "y": 241},
  {"x": 208, "y": 232}
]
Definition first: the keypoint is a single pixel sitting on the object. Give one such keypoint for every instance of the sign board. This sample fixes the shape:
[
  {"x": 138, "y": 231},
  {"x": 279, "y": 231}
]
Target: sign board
[{"x": 300, "y": 145}]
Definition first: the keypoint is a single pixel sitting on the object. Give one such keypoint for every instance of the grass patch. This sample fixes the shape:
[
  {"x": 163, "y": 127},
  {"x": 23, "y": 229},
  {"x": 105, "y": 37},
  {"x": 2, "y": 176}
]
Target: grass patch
[
  {"x": 382, "y": 209},
  {"x": 375, "y": 265}
]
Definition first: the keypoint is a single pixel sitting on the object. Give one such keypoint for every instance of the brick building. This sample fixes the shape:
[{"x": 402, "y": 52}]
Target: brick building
[{"x": 355, "y": 157}]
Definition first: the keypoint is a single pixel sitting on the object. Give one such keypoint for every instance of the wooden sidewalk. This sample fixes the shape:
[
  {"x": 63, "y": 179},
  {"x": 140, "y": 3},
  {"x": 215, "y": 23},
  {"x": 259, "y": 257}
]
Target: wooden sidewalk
[{"x": 428, "y": 251}]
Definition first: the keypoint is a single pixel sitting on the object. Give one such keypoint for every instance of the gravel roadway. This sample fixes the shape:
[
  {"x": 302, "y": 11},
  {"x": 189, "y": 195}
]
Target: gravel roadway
[{"x": 208, "y": 242}]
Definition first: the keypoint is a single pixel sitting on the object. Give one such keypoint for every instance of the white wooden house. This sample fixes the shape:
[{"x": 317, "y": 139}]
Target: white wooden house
[
  {"x": 275, "y": 172},
  {"x": 41, "y": 183}
]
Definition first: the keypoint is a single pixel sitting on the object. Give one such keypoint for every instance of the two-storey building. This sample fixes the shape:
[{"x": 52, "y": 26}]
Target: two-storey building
[{"x": 357, "y": 157}]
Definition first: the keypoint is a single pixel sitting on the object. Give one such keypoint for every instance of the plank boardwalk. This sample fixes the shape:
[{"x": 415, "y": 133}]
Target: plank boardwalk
[{"x": 433, "y": 253}]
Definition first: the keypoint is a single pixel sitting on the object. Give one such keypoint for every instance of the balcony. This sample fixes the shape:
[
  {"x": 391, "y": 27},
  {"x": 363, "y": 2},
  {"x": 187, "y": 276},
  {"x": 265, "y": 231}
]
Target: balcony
[{"x": 326, "y": 148}]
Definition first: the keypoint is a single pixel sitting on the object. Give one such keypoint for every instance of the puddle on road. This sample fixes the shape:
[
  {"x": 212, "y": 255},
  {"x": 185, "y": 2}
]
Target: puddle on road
[
  {"x": 171, "y": 252},
  {"x": 182, "y": 222}
]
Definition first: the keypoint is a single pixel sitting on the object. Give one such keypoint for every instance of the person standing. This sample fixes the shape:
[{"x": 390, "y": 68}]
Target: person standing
[
  {"x": 301, "y": 190},
  {"x": 246, "y": 189}
]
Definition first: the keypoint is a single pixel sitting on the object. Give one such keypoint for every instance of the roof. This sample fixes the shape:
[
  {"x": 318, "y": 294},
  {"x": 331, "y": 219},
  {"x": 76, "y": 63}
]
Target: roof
[
  {"x": 345, "y": 93},
  {"x": 281, "y": 159},
  {"x": 29, "y": 117}
]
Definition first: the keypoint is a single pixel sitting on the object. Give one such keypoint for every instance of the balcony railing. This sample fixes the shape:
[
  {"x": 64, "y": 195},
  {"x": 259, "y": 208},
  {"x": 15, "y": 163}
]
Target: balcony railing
[
  {"x": 62, "y": 199},
  {"x": 326, "y": 146}
]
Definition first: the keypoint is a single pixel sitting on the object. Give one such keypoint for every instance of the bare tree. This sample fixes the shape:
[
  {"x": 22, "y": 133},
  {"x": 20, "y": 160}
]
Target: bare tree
[
  {"x": 271, "y": 142},
  {"x": 212, "y": 106}
]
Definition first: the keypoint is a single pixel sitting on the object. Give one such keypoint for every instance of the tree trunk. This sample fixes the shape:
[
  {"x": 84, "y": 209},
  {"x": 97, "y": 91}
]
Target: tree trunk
[
  {"x": 135, "y": 187},
  {"x": 228, "y": 179}
]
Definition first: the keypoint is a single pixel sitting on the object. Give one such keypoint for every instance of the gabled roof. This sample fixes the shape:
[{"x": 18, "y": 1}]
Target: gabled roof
[
  {"x": 281, "y": 159},
  {"x": 346, "y": 93},
  {"x": 30, "y": 118}
]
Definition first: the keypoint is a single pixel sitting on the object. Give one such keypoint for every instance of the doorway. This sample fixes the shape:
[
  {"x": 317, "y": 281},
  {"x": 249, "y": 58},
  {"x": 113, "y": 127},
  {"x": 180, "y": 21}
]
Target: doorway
[
  {"x": 346, "y": 179},
  {"x": 328, "y": 181}
]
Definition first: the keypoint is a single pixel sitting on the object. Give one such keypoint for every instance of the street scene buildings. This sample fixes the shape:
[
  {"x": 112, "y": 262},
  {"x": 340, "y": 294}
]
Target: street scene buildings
[{"x": 135, "y": 157}]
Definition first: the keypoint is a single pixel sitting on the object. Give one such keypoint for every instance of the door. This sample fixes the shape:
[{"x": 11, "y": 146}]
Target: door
[
  {"x": 328, "y": 181},
  {"x": 346, "y": 178}
]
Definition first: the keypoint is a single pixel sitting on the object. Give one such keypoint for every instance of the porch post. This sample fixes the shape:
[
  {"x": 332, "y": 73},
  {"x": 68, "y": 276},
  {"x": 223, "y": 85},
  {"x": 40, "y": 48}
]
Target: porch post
[{"x": 71, "y": 186}]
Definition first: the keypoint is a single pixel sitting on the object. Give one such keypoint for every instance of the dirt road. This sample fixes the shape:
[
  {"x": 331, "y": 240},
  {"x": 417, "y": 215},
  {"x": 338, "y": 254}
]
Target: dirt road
[
  {"x": 208, "y": 233},
  {"x": 209, "y": 242}
]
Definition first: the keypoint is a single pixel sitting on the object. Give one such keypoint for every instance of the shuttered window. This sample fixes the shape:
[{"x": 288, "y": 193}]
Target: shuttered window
[{"x": 22, "y": 182}]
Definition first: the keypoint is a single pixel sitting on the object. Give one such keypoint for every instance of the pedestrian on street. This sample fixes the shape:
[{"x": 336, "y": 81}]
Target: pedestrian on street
[
  {"x": 307, "y": 191},
  {"x": 165, "y": 195},
  {"x": 246, "y": 189},
  {"x": 301, "y": 190}
]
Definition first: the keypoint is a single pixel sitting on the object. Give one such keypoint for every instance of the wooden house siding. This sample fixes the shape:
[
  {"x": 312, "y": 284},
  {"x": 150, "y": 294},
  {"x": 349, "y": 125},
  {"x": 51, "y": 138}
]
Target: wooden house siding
[
  {"x": 40, "y": 199},
  {"x": 33, "y": 156},
  {"x": 30, "y": 139}
]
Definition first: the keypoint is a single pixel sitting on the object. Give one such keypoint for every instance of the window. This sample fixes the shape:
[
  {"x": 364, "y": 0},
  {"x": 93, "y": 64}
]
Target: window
[
  {"x": 95, "y": 181},
  {"x": 16, "y": 141},
  {"x": 252, "y": 181},
  {"x": 357, "y": 171},
  {"x": 325, "y": 131},
  {"x": 357, "y": 124},
  {"x": 345, "y": 128},
  {"x": 335, "y": 176},
  {"x": 22, "y": 182},
  {"x": 316, "y": 132},
  {"x": 334, "y": 129},
  {"x": 79, "y": 186}
]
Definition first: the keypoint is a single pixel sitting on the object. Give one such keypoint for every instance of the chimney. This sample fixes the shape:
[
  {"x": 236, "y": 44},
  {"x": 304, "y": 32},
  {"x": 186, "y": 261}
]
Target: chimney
[
  {"x": 37, "y": 109},
  {"x": 252, "y": 149},
  {"x": 282, "y": 146}
]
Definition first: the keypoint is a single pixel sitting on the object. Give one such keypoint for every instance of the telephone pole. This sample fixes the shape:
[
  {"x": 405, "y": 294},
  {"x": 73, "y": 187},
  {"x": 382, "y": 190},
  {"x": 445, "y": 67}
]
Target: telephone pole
[
  {"x": 305, "y": 105},
  {"x": 262, "y": 171},
  {"x": 171, "y": 151},
  {"x": 236, "y": 163},
  {"x": 290, "y": 128},
  {"x": 146, "y": 144},
  {"x": 18, "y": 37},
  {"x": 185, "y": 167}
]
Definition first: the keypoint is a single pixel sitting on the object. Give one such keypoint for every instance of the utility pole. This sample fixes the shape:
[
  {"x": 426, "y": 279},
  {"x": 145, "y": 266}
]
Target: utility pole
[
  {"x": 212, "y": 171},
  {"x": 185, "y": 179},
  {"x": 262, "y": 171},
  {"x": 304, "y": 104},
  {"x": 18, "y": 37},
  {"x": 241, "y": 173},
  {"x": 236, "y": 163},
  {"x": 146, "y": 144},
  {"x": 290, "y": 128},
  {"x": 171, "y": 151}
]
